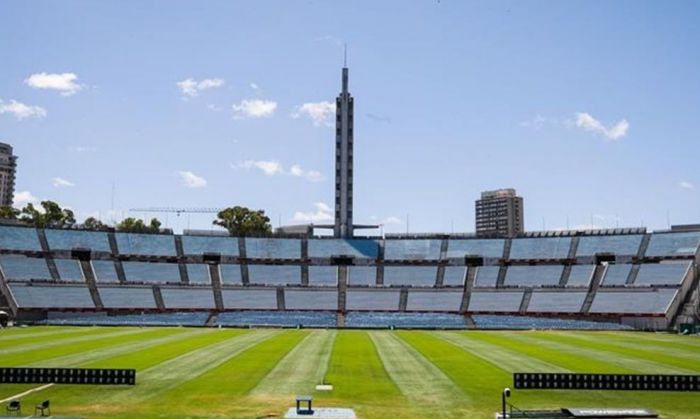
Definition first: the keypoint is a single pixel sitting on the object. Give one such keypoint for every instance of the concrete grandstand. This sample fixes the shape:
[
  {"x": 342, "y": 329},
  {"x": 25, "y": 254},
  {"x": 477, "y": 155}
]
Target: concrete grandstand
[{"x": 587, "y": 279}]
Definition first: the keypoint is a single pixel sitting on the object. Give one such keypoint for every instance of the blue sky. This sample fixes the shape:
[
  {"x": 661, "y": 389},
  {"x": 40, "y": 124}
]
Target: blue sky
[{"x": 591, "y": 110}]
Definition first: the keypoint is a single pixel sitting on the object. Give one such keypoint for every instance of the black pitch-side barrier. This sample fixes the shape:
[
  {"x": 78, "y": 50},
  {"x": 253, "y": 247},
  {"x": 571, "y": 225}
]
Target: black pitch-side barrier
[
  {"x": 637, "y": 382},
  {"x": 68, "y": 376}
]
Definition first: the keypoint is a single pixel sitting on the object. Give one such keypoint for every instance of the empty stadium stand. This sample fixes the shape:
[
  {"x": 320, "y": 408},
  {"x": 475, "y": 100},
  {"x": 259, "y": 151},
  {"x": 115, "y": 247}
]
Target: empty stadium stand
[{"x": 604, "y": 279}]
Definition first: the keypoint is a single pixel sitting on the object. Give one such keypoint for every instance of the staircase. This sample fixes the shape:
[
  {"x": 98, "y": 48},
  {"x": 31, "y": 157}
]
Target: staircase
[
  {"x": 211, "y": 320},
  {"x": 598, "y": 275},
  {"x": 632, "y": 276},
  {"x": 158, "y": 296},
  {"x": 41, "y": 234},
  {"x": 468, "y": 286},
  {"x": 89, "y": 275},
  {"x": 342, "y": 287},
  {"x": 403, "y": 299},
  {"x": 215, "y": 276},
  {"x": 527, "y": 296},
  {"x": 643, "y": 246}
]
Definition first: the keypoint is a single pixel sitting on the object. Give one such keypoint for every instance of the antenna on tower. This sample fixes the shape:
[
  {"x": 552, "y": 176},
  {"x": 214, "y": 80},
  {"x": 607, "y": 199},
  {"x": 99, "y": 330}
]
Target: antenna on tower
[{"x": 345, "y": 54}]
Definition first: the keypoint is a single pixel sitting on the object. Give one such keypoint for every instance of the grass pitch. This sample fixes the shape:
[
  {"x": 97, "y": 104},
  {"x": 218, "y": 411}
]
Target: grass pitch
[{"x": 198, "y": 373}]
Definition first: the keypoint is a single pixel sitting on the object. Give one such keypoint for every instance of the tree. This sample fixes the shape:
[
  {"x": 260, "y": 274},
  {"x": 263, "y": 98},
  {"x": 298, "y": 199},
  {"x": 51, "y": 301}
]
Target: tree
[
  {"x": 241, "y": 221},
  {"x": 137, "y": 225},
  {"x": 92, "y": 223},
  {"x": 49, "y": 215},
  {"x": 9, "y": 213}
]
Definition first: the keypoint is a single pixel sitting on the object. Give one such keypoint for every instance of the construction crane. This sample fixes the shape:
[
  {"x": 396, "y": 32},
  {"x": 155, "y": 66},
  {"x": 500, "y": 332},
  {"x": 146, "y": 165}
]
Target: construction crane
[{"x": 178, "y": 211}]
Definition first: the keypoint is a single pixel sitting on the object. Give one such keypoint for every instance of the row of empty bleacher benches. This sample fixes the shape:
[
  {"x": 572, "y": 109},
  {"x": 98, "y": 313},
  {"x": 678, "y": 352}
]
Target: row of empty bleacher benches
[{"x": 73, "y": 269}]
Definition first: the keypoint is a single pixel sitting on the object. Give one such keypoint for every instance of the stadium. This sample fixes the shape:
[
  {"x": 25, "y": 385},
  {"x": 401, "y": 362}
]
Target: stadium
[{"x": 100, "y": 322}]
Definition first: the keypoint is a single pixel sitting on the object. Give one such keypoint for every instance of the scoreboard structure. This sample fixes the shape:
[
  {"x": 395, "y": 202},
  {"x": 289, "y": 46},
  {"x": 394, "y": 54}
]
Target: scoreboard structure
[{"x": 634, "y": 382}]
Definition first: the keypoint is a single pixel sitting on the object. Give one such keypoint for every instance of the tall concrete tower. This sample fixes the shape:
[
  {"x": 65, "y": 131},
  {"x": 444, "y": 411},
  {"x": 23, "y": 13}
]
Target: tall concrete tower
[{"x": 343, "y": 161}]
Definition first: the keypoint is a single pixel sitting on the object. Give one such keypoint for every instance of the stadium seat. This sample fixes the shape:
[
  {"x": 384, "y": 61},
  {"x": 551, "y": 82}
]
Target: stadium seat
[
  {"x": 43, "y": 408},
  {"x": 14, "y": 408}
]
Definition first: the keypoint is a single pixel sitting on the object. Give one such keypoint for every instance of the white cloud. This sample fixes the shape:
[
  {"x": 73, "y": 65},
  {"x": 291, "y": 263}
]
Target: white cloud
[
  {"x": 321, "y": 113},
  {"x": 191, "y": 180},
  {"x": 254, "y": 86},
  {"x": 20, "y": 110},
  {"x": 323, "y": 213},
  {"x": 589, "y": 123},
  {"x": 64, "y": 82},
  {"x": 191, "y": 87},
  {"x": 213, "y": 107},
  {"x": 254, "y": 108},
  {"x": 61, "y": 183},
  {"x": 686, "y": 185},
  {"x": 269, "y": 167},
  {"x": 311, "y": 175},
  {"x": 23, "y": 198},
  {"x": 274, "y": 167}
]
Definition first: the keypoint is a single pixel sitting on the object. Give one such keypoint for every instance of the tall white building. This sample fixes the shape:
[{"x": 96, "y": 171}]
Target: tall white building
[{"x": 8, "y": 167}]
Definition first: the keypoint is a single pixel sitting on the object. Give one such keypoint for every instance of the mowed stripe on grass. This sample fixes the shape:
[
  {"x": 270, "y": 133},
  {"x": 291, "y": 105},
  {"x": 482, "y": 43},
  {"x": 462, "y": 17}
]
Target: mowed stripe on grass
[
  {"x": 169, "y": 374},
  {"x": 90, "y": 335},
  {"x": 302, "y": 368},
  {"x": 31, "y": 334},
  {"x": 417, "y": 378},
  {"x": 598, "y": 350},
  {"x": 157, "y": 337},
  {"x": 506, "y": 359}
]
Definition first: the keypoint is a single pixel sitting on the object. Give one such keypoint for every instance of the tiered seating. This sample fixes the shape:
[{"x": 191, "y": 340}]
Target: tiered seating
[
  {"x": 372, "y": 300},
  {"x": 198, "y": 245},
  {"x": 417, "y": 276},
  {"x": 23, "y": 268},
  {"x": 540, "y": 248},
  {"x": 250, "y": 299},
  {"x": 360, "y": 248},
  {"x": 323, "y": 275},
  {"x": 296, "y": 299},
  {"x": 488, "y": 321},
  {"x": 662, "y": 274},
  {"x": 184, "y": 298},
  {"x": 405, "y": 320},
  {"x": 673, "y": 244},
  {"x": 280, "y": 319},
  {"x": 533, "y": 276},
  {"x": 105, "y": 271},
  {"x": 127, "y": 297},
  {"x": 69, "y": 270},
  {"x": 362, "y": 275},
  {"x": 619, "y": 245},
  {"x": 647, "y": 302},
  {"x": 556, "y": 302},
  {"x": 230, "y": 274},
  {"x": 159, "y": 319},
  {"x": 44, "y": 296},
  {"x": 491, "y": 248},
  {"x": 151, "y": 272},
  {"x": 146, "y": 244},
  {"x": 495, "y": 301},
  {"x": 454, "y": 276},
  {"x": 19, "y": 238},
  {"x": 198, "y": 273},
  {"x": 412, "y": 249},
  {"x": 275, "y": 274},
  {"x": 260, "y": 248},
  {"x": 486, "y": 276},
  {"x": 434, "y": 301},
  {"x": 69, "y": 239},
  {"x": 616, "y": 275},
  {"x": 580, "y": 275}
]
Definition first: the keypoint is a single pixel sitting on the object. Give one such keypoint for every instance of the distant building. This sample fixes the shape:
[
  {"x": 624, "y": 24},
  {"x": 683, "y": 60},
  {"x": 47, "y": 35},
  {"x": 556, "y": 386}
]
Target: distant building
[
  {"x": 8, "y": 167},
  {"x": 499, "y": 213}
]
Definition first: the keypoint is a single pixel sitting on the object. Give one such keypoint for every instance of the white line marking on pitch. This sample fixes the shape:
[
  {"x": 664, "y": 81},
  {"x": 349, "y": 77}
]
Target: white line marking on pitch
[{"x": 30, "y": 391}]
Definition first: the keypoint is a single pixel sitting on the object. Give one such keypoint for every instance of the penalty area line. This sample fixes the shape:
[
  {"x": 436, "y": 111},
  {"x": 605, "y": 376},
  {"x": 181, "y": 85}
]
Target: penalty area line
[{"x": 30, "y": 391}]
